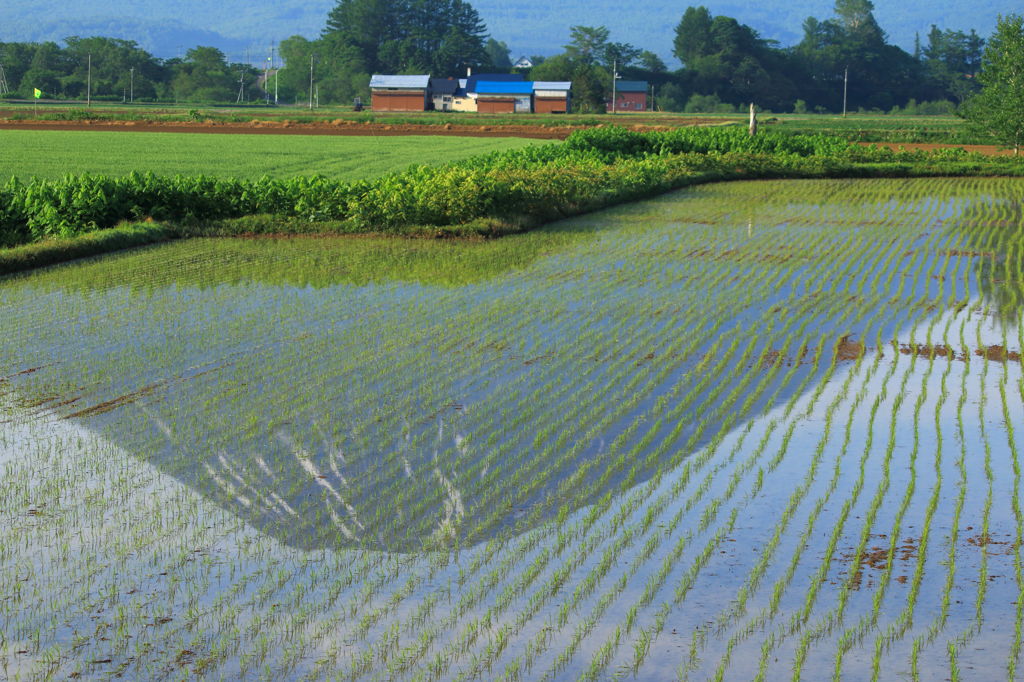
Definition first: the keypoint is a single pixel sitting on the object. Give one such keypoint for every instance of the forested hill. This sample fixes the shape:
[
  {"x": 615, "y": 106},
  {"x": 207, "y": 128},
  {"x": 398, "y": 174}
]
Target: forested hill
[{"x": 527, "y": 26}]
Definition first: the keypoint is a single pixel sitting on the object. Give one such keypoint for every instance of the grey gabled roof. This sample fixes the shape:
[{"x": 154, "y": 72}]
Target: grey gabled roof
[
  {"x": 552, "y": 85},
  {"x": 404, "y": 82},
  {"x": 443, "y": 86}
]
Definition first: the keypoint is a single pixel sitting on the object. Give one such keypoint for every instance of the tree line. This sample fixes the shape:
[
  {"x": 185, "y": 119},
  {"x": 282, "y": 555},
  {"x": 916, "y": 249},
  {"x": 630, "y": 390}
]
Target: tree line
[
  {"x": 118, "y": 70},
  {"x": 725, "y": 64}
]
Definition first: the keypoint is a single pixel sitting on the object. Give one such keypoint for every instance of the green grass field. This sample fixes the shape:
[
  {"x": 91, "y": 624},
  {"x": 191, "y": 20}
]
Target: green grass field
[{"x": 51, "y": 154}]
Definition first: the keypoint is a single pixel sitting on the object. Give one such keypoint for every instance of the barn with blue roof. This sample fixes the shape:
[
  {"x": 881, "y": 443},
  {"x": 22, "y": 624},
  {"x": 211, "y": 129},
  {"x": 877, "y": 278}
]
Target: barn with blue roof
[{"x": 509, "y": 97}]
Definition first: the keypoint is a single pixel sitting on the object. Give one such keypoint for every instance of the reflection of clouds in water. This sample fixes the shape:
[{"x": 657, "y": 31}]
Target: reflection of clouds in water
[
  {"x": 270, "y": 492},
  {"x": 386, "y": 378},
  {"x": 428, "y": 577}
]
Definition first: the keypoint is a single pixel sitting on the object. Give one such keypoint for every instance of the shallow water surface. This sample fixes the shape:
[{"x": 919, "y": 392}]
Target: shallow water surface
[{"x": 743, "y": 429}]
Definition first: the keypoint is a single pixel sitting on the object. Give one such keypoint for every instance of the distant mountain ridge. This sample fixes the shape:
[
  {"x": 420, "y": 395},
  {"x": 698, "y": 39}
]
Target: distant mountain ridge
[{"x": 529, "y": 27}]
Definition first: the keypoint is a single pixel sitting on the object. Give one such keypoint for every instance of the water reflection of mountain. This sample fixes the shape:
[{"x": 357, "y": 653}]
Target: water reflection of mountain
[{"x": 403, "y": 415}]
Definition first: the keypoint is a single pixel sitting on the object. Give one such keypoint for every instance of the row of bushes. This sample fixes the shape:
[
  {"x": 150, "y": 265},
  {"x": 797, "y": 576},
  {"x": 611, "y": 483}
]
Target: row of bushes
[{"x": 593, "y": 168}]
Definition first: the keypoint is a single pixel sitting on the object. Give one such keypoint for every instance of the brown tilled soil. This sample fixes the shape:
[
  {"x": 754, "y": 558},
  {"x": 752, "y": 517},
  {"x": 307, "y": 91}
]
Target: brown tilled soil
[{"x": 336, "y": 127}]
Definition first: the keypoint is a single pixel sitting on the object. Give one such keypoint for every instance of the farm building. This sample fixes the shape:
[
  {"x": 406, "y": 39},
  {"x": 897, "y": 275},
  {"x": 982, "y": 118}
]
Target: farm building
[
  {"x": 400, "y": 93},
  {"x": 504, "y": 98},
  {"x": 630, "y": 96},
  {"x": 551, "y": 97},
  {"x": 442, "y": 93},
  {"x": 462, "y": 100}
]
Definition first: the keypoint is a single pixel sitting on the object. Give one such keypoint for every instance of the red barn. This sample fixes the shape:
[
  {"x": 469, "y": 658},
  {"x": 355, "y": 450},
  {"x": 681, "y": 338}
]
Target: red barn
[
  {"x": 630, "y": 96},
  {"x": 551, "y": 97},
  {"x": 504, "y": 97},
  {"x": 400, "y": 93}
]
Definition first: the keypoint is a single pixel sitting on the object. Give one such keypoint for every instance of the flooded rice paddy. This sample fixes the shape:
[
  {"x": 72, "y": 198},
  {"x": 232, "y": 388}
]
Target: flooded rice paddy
[{"x": 745, "y": 431}]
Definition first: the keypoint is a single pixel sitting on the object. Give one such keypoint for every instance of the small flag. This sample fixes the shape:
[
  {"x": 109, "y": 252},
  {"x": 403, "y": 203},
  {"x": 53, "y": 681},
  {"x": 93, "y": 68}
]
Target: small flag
[{"x": 37, "y": 92}]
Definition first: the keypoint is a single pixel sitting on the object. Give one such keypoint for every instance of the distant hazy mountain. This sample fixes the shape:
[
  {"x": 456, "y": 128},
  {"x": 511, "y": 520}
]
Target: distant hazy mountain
[{"x": 528, "y": 26}]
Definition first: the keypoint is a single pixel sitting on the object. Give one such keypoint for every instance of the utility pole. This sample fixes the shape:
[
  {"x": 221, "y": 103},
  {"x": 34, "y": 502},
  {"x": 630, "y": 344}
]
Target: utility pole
[
  {"x": 241, "y": 88},
  {"x": 266, "y": 79},
  {"x": 3, "y": 82},
  {"x": 132, "y": 81},
  {"x": 310, "y": 82},
  {"x": 273, "y": 65},
  {"x": 615, "y": 78},
  {"x": 846, "y": 80},
  {"x": 88, "y": 85}
]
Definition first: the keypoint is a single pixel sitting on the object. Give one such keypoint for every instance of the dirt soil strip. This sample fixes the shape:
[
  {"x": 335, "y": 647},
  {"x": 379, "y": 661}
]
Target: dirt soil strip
[
  {"x": 337, "y": 127},
  {"x": 986, "y": 149}
]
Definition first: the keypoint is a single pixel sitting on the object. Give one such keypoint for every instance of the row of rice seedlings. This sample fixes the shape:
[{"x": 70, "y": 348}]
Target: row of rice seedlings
[
  {"x": 665, "y": 371},
  {"x": 1018, "y": 569},
  {"x": 940, "y": 619},
  {"x": 825, "y": 623},
  {"x": 852, "y": 634},
  {"x": 954, "y": 646},
  {"x": 651, "y": 511},
  {"x": 738, "y": 604},
  {"x": 871, "y": 620},
  {"x": 818, "y": 577},
  {"x": 605, "y": 564},
  {"x": 903, "y": 621}
]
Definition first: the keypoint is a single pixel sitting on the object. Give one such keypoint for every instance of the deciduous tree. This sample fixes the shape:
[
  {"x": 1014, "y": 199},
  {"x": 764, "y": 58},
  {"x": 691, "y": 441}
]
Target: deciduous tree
[{"x": 998, "y": 110}]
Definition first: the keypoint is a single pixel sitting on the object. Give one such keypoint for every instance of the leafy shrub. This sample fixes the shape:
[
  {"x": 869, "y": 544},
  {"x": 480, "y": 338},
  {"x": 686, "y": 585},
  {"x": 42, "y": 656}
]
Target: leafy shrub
[{"x": 595, "y": 167}]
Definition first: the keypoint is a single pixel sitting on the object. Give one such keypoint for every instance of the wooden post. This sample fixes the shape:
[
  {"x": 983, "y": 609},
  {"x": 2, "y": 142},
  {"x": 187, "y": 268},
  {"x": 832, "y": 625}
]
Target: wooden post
[{"x": 753, "y": 120}]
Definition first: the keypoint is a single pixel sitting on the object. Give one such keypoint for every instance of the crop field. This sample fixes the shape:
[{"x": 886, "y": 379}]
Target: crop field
[
  {"x": 882, "y": 128},
  {"x": 757, "y": 430},
  {"x": 52, "y": 154}
]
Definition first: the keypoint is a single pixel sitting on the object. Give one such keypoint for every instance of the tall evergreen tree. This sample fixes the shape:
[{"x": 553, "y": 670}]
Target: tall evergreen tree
[
  {"x": 693, "y": 35},
  {"x": 442, "y": 37}
]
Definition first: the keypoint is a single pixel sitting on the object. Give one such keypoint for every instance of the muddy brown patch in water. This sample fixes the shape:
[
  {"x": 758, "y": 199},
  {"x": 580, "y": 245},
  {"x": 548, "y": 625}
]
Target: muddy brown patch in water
[
  {"x": 848, "y": 350},
  {"x": 970, "y": 254},
  {"x": 991, "y": 545},
  {"x": 876, "y": 559},
  {"x": 115, "y": 403},
  {"x": 998, "y": 354},
  {"x": 932, "y": 351}
]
